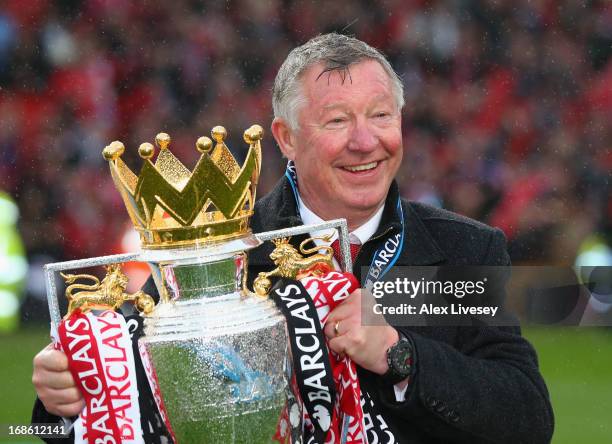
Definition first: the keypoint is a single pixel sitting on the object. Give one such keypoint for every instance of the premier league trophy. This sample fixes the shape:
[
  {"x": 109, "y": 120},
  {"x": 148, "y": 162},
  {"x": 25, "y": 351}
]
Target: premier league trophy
[{"x": 213, "y": 351}]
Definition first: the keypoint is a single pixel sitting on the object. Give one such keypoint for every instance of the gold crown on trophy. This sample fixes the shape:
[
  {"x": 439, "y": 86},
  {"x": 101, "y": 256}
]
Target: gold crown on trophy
[{"x": 171, "y": 206}]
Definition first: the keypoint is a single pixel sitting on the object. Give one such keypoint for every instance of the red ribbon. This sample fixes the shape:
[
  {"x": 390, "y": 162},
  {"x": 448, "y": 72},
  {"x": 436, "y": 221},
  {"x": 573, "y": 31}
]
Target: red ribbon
[
  {"x": 79, "y": 343},
  {"x": 327, "y": 292}
]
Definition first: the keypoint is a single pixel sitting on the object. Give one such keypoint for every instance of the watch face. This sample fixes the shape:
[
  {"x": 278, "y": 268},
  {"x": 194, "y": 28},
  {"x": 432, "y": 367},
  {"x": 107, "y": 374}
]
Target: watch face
[{"x": 401, "y": 358}]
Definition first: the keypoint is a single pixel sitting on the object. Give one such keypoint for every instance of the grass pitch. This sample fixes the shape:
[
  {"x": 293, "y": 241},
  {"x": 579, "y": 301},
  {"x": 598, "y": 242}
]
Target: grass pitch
[{"x": 576, "y": 363}]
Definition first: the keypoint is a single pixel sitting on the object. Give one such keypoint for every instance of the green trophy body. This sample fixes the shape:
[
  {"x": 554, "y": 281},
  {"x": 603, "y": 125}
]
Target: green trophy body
[{"x": 218, "y": 355}]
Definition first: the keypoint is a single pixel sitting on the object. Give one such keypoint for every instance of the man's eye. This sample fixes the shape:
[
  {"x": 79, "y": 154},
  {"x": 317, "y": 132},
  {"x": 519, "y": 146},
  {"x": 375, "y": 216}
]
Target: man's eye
[
  {"x": 382, "y": 114},
  {"x": 336, "y": 122}
]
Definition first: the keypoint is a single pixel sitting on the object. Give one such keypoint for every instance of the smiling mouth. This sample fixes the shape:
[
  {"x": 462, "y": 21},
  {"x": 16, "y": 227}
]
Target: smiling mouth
[{"x": 363, "y": 167}]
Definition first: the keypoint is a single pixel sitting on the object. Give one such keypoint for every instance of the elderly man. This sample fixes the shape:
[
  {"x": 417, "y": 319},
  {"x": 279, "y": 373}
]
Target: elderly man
[{"x": 337, "y": 105}]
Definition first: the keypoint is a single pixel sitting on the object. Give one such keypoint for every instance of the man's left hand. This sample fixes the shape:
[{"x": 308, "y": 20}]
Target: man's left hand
[{"x": 366, "y": 345}]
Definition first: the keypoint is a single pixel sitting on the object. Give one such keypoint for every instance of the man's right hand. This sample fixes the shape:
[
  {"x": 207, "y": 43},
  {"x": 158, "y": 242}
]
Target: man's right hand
[{"x": 54, "y": 384}]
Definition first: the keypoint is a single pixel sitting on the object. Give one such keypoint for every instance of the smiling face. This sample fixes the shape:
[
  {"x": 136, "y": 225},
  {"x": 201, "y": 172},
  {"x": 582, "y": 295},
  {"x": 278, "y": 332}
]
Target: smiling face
[{"x": 348, "y": 146}]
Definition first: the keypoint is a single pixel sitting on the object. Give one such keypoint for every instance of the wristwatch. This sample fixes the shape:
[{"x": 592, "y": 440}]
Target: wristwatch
[{"x": 399, "y": 358}]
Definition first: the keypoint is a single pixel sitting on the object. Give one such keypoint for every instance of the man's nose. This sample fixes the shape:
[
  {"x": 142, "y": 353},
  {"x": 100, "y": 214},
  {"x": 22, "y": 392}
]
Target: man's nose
[{"x": 363, "y": 137}]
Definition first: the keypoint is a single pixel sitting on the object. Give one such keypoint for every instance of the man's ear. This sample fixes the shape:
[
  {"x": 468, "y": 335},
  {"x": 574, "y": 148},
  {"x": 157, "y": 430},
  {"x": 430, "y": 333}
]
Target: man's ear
[{"x": 285, "y": 137}]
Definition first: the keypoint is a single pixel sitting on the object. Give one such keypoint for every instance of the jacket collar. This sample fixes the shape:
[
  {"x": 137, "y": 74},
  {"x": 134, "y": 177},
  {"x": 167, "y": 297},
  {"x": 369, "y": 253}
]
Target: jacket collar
[
  {"x": 281, "y": 211},
  {"x": 285, "y": 210},
  {"x": 420, "y": 248}
]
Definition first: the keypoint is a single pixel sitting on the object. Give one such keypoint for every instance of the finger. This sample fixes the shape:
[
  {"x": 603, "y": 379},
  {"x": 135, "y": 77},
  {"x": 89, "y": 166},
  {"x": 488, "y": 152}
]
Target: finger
[
  {"x": 66, "y": 410},
  {"x": 344, "y": 306},
  {"x": 338, "y": 345},
  {"x": 50, "y": 359},
  {"x": 40, "y": 356},
  {"x": 62, "y": 396},
  {"x": 346, "y": 309},
  {"x": 55, "y": 380},
  {"x": 329, "y": 331},
  {"x": 332, "y": 329},
  {"x": 357, "y": 292},
  {"x": 353, "y": 299},
  {"x": 337, "y": 314}
]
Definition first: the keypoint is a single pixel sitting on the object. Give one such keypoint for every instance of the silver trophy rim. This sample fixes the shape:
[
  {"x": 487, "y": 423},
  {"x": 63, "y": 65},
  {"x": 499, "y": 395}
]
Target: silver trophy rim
[{"x": 213, "y": 252}]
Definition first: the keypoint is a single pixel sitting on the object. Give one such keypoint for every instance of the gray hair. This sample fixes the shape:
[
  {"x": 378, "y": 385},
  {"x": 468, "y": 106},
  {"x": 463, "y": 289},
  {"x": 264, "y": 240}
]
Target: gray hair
[{"x": 335, "y": 52}]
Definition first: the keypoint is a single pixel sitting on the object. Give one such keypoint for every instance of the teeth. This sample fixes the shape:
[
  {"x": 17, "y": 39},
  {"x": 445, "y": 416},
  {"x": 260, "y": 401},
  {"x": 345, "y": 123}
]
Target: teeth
[{"x": 366, "y": 166}]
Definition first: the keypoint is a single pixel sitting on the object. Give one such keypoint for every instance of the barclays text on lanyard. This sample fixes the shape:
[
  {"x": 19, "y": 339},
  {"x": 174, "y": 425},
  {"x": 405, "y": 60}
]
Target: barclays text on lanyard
[{"x": 386, "y": 256}]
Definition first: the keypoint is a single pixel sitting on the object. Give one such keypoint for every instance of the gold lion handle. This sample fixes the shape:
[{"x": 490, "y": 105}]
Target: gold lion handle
[
  {"x": 108, "y": 294},
  {"x": 292, "y": 264}
]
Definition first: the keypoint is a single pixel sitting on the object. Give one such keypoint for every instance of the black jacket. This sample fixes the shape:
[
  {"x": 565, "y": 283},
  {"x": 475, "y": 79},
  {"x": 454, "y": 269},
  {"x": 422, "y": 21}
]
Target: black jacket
[{"x": 472, "y": 384}]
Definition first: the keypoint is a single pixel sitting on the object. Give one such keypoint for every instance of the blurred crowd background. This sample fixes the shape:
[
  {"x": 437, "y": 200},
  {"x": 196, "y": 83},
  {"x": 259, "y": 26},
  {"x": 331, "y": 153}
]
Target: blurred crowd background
[{"x": 507, "y": 118}]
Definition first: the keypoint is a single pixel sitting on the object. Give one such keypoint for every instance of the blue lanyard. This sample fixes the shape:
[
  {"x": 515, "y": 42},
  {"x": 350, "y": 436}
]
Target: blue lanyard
[{"x": 386, "y": 256}]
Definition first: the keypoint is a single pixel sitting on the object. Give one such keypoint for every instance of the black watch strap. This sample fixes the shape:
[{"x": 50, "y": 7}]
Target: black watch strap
[{"x": 400, "y": 357}]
